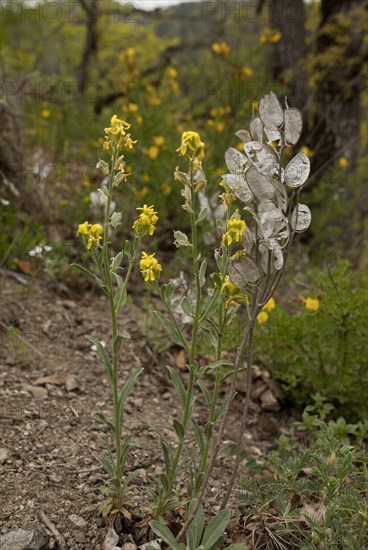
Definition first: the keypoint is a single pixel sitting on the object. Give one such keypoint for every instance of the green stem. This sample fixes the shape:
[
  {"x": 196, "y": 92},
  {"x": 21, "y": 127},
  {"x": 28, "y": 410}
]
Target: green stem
[{"x": 192, "y": 351}]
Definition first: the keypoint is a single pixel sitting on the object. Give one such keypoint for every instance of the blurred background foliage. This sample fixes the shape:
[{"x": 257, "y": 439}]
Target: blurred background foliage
[{"x": 67, "y": 66}]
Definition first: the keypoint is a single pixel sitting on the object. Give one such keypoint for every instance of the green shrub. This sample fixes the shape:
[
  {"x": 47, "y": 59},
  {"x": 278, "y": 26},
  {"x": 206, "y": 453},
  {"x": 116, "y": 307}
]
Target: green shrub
[
  {"x": 311, "y": 499},
  {"x": 323, "y": 350}
]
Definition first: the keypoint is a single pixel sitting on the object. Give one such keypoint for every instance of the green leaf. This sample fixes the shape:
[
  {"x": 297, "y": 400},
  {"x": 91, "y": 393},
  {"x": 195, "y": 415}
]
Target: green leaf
[
  {"x": 179, "y": 428},
  {"x": 105, "y": 420},
  {"x": 178, "y": 384},
  {"x": 167, "y": 454},
  {"x": 116, "y": 261},
  {"x": 208, "y": 429},
  {"x": 108, "y": 466},
  {"x": 202, "y": 272},
  {"x": 217, "y": 364},
  {"x": 102, "y": 354},
  {"x": 120, "y": 297},
  {"x": 202, "y": 214},
  {"x": 128, "y": 249},
  {"x": 238, "y": 546},
  {"x": 198, "y": 435},
  {"x": 181, "y": 239},
  {"x": 171, "y": 330},
  {"x": 215, "y": 529},
  {"x": 128, "y": 386},
  {"x": 164, "y": 532},
  {"x": 186, "y": 306},
  {"x": 195, "y": 530},
  {"x": 167, "y": 294},
  {"x": 90, "y": 275}
]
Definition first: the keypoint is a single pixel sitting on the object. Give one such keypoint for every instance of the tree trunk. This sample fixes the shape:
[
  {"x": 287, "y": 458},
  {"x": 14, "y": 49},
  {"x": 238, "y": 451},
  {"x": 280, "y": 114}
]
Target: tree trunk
[
  {"x": 289, "y": 18},
  {"x": 337, "y": 116},
  {"x": 92, "y": 11}
]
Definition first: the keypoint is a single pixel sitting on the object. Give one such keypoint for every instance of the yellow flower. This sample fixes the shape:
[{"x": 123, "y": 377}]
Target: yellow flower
[
  {"x": 221, "y": 48},
  {"x": 270, "y": 35},
  {"x": 306, "y": 151},
  {"x": 91, "y": 233},
  {"x": 116, "y": 136},
  {"x": 247, "y": 72},
  {"x": 158, "y": 140},
  {"x": 46, "y": 113},
  {"x": 152, "y": 152},
  {"x": 312, "y": 304},
  {"x": 191, "y": 145},
  {"x": 234, "y": 294},
  {"x": 270, "y": 305},
  {"x": 343, "y": 163},
  {"x": 83, "y": 228},
  {"x": 172, "y": 72},
  {"x": 132, "y": 107},
  {"x": 146, "y": 222},
  {"x": 262, "y": 317},
  {"x": 149, "y": 267},
  {"x": 235, "y": 229},
  {"x": 165, "y": 188}
]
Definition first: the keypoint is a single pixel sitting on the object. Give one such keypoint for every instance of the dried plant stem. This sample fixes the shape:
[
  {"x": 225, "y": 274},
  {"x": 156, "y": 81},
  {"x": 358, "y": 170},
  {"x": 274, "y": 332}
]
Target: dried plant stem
[
  {"x": 218, "y": 439},
  {"x": 240, "y": 440}
]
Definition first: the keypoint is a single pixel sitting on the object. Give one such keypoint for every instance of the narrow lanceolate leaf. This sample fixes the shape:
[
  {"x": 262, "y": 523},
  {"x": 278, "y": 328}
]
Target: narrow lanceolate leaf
[
  {"x": 259, "y": 184},
  {"x": 120, "y": 294},
  {"x": 215, "y": 529},
  {"x": 179, "y": 428},
  {"x": 235, "y": 160},
  {"x": 105, "y": 420},
  {"x": 198, "y": 435},
  {"x": 171, "y": 330},
  {"x": 270, "y": 110},
  {"x": 301, "y": 218},
  {"x": 128, "y": 386},
  {"x": 186, "y": 306},
  {"x": 164, "y": 533},
  {"x": 293, "y": 121},
  {"x": 195, "y": 530},
  {"x": 90, "y": 275},
  {"x": 256, "y": 129},
  {"x": 178, "y": 384},
  {"x": 238, "y": 186},
  {"x": 297, "y": 171},
  {"x": 102, "y": 354}
]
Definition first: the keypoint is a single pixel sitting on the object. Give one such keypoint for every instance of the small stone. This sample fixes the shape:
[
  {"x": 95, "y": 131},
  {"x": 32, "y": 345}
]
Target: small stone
[
  {"x": 3, "y": 454},
  {"x": 129, "y": 546},
  {"x": 37, "y": 392},
  {"x": 79, "y": 537},
  {"x": 77, "y": 520},
  {"x": 20, "y": 539}
]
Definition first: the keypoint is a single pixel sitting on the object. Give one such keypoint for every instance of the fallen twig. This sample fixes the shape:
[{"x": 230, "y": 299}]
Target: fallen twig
[{"x": 51, "y": 527}]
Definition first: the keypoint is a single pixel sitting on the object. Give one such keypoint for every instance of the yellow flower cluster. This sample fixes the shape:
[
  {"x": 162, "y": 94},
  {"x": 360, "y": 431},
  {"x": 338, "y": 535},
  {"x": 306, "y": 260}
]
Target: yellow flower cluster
[
  {"x": 312, "y": 304},
  {"x": 267, "y": 308},
  {"x": 235, "y": 229},
  {"x": 91, "y": 233},
  {"x": 270, "y": 35},
  {"x": 154, "y": 150},
  {"x": 116, "y": 137},
  {"x": 149, "y": 267},
  {"x": 191, "y": 146},
  {"x": 233, "y": 293},
  {"x": 146, "y": 222},
  {"x": 220, "y": 48}
]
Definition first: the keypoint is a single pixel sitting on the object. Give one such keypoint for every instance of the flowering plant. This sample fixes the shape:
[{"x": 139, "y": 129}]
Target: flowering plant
[{"x": 113, "y": 283}]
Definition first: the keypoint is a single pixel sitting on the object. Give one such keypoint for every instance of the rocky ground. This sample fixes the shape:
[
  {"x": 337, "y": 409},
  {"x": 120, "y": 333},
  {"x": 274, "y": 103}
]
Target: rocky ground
[{"x": 52, "y": 383}]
